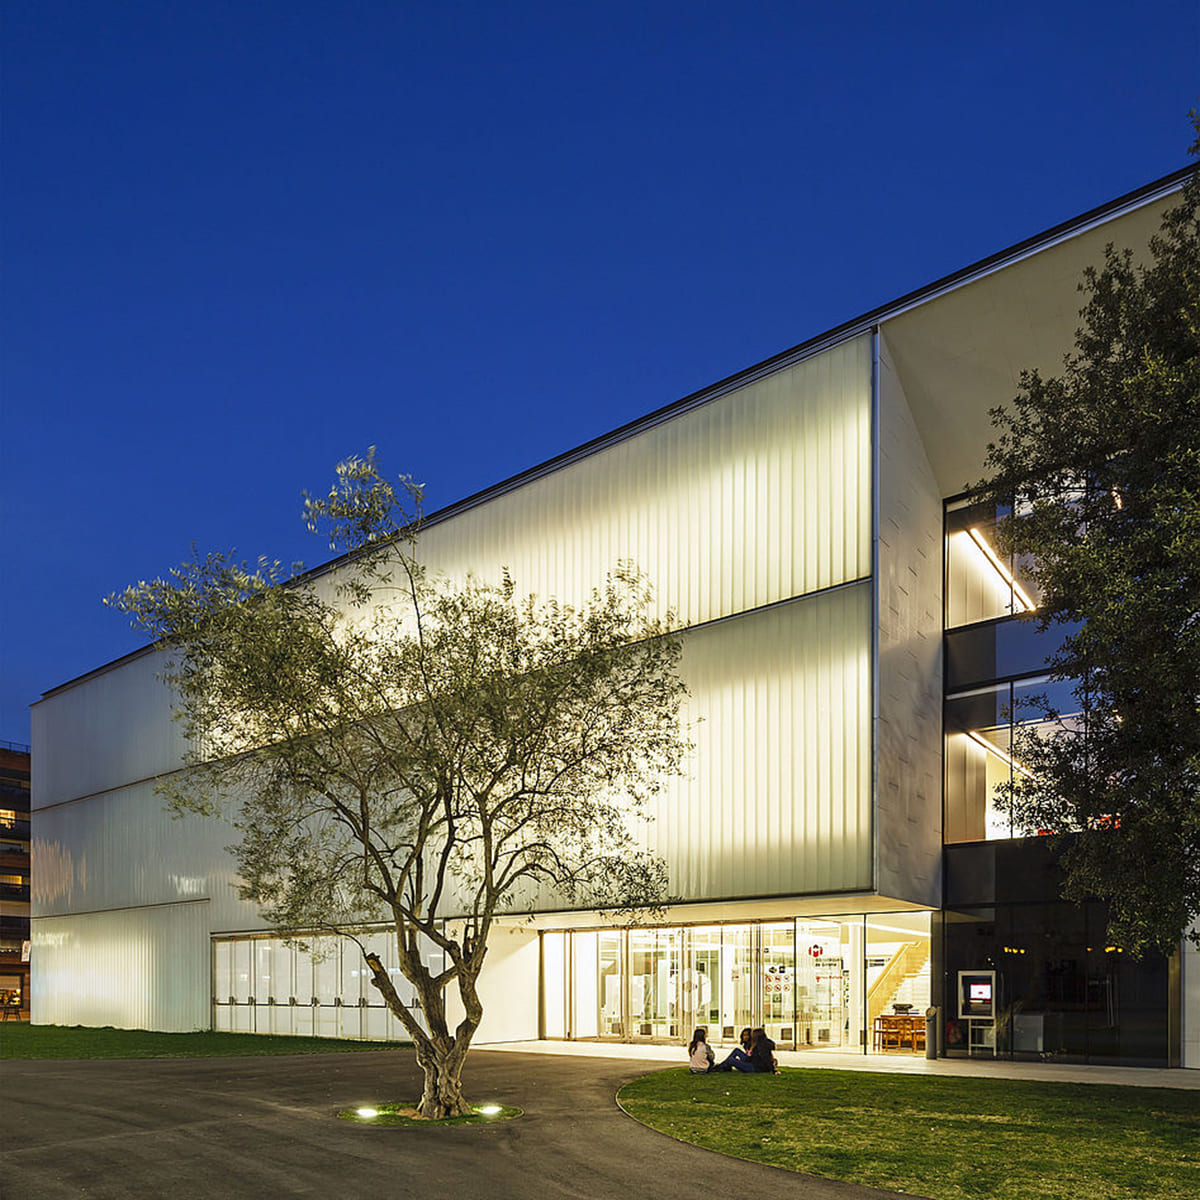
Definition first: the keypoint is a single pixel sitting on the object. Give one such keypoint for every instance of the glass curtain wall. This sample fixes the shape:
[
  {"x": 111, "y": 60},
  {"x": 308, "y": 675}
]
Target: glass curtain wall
[
  {"x": 981, "y": 755},
  {"x": 1062, "y": 992},
  {"x": 982, "y": 582},
  {"x": 812, "y": 983},
  {"x": 322, "y": 988}
]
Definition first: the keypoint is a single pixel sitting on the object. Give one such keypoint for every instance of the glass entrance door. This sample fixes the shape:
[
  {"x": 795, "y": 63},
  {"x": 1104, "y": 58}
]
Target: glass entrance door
[
  {"x": 611, "y": 980},
  {"x": 655, "y": 983},
  {"x": 702, "y": 981}
]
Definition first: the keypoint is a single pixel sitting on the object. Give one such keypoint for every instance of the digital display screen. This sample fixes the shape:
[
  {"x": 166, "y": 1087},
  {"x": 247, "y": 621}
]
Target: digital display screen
[{"x": 977, "y": 994}]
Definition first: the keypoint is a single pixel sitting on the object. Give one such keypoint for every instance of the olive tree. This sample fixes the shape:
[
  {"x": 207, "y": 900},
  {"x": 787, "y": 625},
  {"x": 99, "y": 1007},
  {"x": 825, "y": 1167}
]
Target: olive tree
[{"x": 396, "y": 747}]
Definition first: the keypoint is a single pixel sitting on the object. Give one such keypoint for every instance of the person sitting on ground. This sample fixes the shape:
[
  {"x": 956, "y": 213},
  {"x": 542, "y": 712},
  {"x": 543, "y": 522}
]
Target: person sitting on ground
[
  {"x": 700, "y": 1054},
  {"x": 762, "y": 1053},
  {"x": 739, "y": 1060}
]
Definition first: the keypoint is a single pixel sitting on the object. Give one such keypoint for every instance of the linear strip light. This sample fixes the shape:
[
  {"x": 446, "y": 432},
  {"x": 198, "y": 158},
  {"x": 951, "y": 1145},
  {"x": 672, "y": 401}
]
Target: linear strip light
[
  {"x": 1004, "y": 757},
  {"x": 1004, "y": 573}
]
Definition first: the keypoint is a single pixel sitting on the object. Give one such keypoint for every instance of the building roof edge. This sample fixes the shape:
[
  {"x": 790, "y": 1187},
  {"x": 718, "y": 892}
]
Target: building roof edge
[{"x": 856, "y": 326}]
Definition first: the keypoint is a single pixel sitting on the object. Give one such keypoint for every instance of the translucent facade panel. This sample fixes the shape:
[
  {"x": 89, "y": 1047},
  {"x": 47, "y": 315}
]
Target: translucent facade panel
[
  {"x": 354, "y": 986},
  {"x": 755, "y": 497},
  {"x": 778, "y": 796},
  {"x": 327, "y": 969},
  {"x": 124, "y": 850},
  {"x": 243, "y": 968},
  {"x": 145, "y": 968},
  {"x": 118, "y": 727},
  {"x": 223, "y": 972},
  {"x": 280, "y": 1019},
  {"x": 302, "y": 973},
  {"x": 377, "y": 1025},
  {"x": 279, "y": 971}
]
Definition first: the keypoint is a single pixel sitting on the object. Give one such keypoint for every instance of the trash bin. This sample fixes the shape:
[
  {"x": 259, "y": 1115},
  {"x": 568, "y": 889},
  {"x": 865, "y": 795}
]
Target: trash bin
[{"x": 931, "y": 1031}]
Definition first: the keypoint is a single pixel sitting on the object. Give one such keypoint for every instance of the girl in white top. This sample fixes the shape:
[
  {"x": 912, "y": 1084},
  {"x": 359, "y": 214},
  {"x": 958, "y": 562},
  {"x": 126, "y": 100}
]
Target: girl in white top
[{"x": 700, "y": 1053}]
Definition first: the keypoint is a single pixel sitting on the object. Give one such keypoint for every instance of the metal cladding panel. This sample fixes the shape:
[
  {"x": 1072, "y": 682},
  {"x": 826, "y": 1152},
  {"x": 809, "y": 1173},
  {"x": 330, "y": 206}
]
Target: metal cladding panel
[
  {"x": 112, "y": 729},
  {"x": 122, "y": 849},
  {"x": 756, "y": 497},
  {"x": 778, "y": 796},
  {"x": 137, "y": 968}
]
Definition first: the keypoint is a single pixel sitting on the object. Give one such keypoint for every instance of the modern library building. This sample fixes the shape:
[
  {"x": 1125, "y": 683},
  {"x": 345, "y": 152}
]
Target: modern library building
[{"x": 853, "y": 651}]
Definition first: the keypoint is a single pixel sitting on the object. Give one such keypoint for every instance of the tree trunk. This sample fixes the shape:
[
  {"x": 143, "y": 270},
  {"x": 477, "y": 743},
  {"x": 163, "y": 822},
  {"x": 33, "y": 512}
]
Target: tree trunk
[
  {"x": 443, "y": 1094},
  {"x": 439, "y": 1055}
]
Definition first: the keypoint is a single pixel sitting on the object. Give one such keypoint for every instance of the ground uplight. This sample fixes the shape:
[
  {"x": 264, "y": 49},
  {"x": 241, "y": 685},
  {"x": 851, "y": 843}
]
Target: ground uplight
[{"x": 409, "y": 1114}]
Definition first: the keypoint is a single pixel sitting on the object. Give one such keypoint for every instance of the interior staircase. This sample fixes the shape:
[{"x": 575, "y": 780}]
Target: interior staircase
[{"x": 904, "y": 980}]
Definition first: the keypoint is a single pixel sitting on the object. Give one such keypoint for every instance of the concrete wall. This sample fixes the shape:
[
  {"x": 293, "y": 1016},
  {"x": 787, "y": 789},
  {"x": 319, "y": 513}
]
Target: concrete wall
[{"x": 909, "y": 586}]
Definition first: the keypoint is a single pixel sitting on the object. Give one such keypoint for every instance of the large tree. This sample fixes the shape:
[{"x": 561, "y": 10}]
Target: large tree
[
  {"x": 397, "y": 747},
  {"x": 1101, "y": 465}
]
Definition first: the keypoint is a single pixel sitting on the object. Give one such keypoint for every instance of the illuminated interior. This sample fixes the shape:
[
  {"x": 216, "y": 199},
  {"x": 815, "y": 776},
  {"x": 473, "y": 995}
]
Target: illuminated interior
[{"x": 827, "y": 983}]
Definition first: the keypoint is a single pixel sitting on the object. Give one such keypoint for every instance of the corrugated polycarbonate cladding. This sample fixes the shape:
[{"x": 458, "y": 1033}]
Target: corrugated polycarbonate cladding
[
  {"x": 757, "y": 497},
  {"x": 778, "y": 796},
  {"x": 140, "y": 968}
]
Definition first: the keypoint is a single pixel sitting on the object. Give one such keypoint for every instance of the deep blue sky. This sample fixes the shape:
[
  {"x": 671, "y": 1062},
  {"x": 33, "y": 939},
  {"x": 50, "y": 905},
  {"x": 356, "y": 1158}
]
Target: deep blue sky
[{"x": 245, "y": 239}]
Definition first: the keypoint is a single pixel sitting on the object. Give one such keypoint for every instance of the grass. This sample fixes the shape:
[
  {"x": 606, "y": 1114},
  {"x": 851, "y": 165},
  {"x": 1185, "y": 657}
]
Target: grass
[
  {"x": 943, "y": 1137},
  {"x": 22, "y": 1040},
  {"x": 406, "y": 1114}
]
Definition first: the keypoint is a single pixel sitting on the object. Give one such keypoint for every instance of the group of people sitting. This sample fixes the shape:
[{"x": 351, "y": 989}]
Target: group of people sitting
[{"x": 755, "y": 1055}]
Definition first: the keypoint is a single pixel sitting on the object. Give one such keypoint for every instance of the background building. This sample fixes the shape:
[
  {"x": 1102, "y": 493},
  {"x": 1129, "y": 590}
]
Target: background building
[
  {"x": 14, "y": 878},
  {"x": 851, "y": 636}
]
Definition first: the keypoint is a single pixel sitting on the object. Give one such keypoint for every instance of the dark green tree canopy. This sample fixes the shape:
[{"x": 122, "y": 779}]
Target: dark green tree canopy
[{"x": 1101, "y": 468}]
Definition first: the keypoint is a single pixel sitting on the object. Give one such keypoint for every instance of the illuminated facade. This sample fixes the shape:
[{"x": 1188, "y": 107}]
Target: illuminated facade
[{"x": 800, "y": 517}]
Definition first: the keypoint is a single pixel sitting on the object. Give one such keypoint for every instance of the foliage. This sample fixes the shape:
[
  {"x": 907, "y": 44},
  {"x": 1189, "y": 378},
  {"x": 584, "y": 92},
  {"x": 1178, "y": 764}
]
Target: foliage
[
  {"x": 938, "y": 1136},
  {"x": 428, "y": 753},
  {"x": 1104, "y": 464}
]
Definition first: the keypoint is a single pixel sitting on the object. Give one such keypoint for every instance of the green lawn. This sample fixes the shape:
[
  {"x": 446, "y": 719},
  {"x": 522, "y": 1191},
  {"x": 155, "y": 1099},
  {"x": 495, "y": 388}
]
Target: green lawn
[
  {"x": 22, "y": 1040},
  {"x": 943, "y": 1137}
]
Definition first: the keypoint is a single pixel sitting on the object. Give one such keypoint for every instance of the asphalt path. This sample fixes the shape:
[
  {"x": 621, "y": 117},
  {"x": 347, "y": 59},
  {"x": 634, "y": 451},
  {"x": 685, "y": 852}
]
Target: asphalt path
[{"x": 217, "y": 1128}]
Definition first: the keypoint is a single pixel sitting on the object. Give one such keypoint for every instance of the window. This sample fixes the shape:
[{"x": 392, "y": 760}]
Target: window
[{"x": 982, "y": 583}]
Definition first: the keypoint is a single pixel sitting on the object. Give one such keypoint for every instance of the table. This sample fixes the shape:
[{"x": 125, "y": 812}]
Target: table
[{"x": 899, "y": 1031}]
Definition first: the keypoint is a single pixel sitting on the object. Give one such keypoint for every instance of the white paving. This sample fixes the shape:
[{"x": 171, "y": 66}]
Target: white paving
[{"x": 909, "y": 1064}]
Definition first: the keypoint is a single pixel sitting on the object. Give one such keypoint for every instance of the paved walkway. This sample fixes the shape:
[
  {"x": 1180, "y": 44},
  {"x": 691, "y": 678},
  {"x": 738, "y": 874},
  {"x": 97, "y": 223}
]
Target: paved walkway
[
  {"x": 909, "y": 1064},
  {"x": 234, "y": 1128}
]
